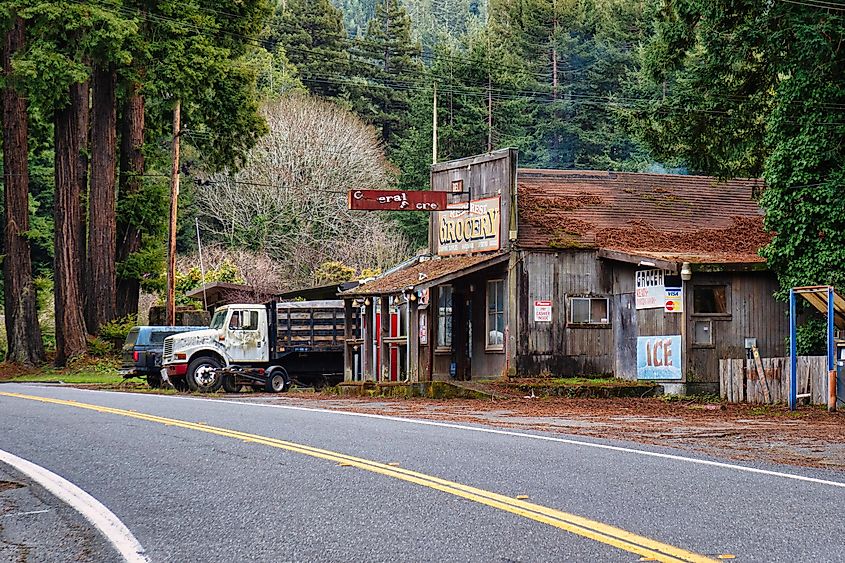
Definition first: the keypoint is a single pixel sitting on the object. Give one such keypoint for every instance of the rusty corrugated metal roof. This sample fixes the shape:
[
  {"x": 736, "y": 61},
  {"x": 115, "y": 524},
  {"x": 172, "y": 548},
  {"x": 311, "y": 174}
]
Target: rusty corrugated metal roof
[
  {"x": 419, "y": 273},
  {"x": 696, "y": 218}
]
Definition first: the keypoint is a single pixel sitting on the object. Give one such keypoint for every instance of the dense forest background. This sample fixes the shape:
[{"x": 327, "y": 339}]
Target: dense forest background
[{"x": 288, "y": 104}]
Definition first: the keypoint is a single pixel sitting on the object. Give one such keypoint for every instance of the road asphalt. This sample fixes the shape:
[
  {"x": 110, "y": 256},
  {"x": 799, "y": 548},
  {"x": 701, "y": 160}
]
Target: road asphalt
[{"x": 191, "y": 495}]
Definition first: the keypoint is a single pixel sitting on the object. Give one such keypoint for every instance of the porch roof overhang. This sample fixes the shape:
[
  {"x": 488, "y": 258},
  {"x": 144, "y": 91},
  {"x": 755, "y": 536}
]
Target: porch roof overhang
[
  {"x": 698, "y": 261},
  {"x": 425, "y": 274}
]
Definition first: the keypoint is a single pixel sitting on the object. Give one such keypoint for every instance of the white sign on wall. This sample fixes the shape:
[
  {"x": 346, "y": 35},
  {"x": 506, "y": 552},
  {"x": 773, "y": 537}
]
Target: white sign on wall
[
  {"x": 542, "y": 311},
  {"x": 650, "y": 289},
  {"x": 423, "y": 329},
  {"x": 674, "y": 302}
]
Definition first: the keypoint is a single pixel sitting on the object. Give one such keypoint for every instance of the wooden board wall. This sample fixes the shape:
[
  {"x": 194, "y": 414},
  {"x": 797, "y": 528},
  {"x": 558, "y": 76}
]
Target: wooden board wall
[
  {"x": 486, "y": 175},
  {"x": 754, "y": 314},
  {"x": 739, "y": 381},
  {"x": 557, "y": 347},
  {"x": 565, "y": 350}
]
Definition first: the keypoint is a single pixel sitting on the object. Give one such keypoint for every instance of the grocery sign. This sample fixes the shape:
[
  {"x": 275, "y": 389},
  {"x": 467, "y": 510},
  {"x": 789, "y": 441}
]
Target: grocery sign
[
  {"x": 465, "y": 228},
  {"x": 650, "y": 291},
  {"x": 396, "y": 200}
]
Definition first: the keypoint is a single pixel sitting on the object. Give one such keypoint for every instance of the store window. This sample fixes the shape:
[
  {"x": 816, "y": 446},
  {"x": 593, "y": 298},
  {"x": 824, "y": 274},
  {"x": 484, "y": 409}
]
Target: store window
[
  {"x": 710, "y": 300},
  {"x": 589, "y": 311},
  {"x": 444, "y": 317},
  {"x": 495, "y": 314}
]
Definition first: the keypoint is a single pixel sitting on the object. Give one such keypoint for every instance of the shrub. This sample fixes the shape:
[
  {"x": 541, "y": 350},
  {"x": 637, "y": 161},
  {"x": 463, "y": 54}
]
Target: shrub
[
  {"x": 114, "y": 332},
  {"x": 99, "y": 348}
]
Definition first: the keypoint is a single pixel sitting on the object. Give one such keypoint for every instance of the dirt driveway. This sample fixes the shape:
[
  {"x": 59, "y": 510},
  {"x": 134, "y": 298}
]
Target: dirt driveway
[{"x": 810, "y": 437}]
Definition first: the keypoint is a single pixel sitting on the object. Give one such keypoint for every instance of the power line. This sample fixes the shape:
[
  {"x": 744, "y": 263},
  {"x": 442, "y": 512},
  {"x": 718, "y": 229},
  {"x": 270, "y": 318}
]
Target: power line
[{"x": 836, "y": 6}]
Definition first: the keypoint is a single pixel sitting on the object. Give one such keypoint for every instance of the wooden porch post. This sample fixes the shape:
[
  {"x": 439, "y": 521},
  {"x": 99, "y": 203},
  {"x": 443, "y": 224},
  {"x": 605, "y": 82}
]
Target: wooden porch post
[
  {"x": 384, "y": 346},
  {"x": 367, "y": 344},
  {"x": 512, "y": 317},
  {"x": 348, "y": 335},
  {"x": 413, "y": 342}
]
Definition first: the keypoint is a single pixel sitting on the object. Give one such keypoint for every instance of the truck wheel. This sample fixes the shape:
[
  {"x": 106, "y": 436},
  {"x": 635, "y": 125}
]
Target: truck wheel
[
  {"x": 229, "y": 385},
  {"x": 278, "y": 381},
  {"x": 154, "y": 380},
  {"x": 202, "y": 375}
]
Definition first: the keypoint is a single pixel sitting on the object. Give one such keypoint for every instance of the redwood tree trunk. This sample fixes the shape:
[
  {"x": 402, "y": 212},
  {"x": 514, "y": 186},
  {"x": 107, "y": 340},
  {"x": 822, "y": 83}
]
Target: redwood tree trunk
[
  {"x": 70, "y": 325},
  {"x": 131, "y": 178},
  {"x": 22, "y": 330},
  {"x": 100, "y": 299},
  {"x": 83, "y": 113}
]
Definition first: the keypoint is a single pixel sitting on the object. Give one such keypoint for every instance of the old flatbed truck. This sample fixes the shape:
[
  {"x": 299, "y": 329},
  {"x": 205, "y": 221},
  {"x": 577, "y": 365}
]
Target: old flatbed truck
[{"x": 267, "y": 347}]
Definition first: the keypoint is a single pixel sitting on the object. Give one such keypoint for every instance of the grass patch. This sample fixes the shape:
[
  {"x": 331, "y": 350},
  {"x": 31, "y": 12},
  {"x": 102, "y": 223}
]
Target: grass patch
[
  {"x": 703, "y": 399},
  {"x": 82, "y": 371},
  {"x": 597, "y": 381},
  {"x": 566, "y": 381}
]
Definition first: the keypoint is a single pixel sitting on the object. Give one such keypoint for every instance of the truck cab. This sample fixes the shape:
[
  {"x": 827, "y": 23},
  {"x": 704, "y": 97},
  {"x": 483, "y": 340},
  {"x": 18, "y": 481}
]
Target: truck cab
[{"x": 237, "y": 335}]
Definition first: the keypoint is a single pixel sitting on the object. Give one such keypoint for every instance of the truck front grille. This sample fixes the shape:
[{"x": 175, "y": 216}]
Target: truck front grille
[{"x": 168, "y": 350}]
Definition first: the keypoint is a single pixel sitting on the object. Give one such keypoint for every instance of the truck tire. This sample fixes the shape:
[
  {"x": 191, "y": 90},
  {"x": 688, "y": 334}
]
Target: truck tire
[
  {"x": 229, "y": 385},
  {"x": 278, "y": 380},
  {"x": 201, "y": 375}
]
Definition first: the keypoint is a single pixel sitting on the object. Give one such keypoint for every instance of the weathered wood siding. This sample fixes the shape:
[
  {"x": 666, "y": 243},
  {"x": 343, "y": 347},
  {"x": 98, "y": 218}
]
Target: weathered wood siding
[
  {"x": 754, "y": 313},
  {"x": 563, "y": 349},
  {"x": 559, "y": 347}
]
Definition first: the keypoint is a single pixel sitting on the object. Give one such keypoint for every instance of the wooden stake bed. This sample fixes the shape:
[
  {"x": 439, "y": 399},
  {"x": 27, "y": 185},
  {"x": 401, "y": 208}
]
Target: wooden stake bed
[{"x": 308, "y": 326}]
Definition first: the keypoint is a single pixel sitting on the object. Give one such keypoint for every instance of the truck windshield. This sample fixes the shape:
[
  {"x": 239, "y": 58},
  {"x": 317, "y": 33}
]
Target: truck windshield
[{"x": 218, "y": 319}]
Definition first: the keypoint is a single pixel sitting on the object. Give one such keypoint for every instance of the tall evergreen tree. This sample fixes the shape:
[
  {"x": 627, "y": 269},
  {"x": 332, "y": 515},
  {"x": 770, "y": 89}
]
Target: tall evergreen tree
[
  {"x": 578, "y": 54},
  {"x": 389, "y": 60},
  {"x": 312, "y": 35},
  {"x": 23, "y": 334},
  {"x": 744, "y": 88}
]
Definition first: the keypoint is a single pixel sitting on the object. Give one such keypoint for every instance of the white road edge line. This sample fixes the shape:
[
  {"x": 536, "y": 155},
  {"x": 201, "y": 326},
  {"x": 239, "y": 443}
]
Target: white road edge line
[
  {"x": 569, "y": 441},
  {"x": 93, "y": 510}
]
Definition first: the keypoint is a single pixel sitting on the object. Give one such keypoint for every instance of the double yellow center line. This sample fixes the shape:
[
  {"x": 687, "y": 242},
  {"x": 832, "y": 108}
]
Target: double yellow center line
[{"x": 647, "y": 548}]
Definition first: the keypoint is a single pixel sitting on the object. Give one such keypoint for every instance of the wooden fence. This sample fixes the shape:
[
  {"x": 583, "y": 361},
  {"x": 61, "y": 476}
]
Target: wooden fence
[{"x": 739, "y": 381}]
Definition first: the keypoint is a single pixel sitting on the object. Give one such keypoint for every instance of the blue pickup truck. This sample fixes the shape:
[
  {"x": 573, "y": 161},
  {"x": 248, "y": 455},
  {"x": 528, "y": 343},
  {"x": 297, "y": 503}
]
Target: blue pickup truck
[{"x": 143, "y": 349}]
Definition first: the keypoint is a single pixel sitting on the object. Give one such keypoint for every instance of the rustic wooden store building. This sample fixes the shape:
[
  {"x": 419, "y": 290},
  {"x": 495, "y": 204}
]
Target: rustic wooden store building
[{"x": 531, "y": 272}]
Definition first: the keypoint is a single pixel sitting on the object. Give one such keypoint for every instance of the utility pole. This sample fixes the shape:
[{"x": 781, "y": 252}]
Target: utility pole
[
  {"x": 174, "y": 208},
  {"x": 556, "y": 143},
  {"x": 434, "y": 127},
  {"x": 489, "y": 91}
]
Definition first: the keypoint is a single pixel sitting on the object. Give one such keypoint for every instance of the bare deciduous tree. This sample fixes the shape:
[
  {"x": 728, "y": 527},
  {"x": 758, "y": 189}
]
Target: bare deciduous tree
[{"x": 289, "y": 201}]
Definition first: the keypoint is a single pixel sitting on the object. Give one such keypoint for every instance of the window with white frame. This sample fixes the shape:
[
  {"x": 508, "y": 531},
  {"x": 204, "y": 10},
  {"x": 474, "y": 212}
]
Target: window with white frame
[
  {"x": 589, "y": 310},
  {"x": 444, "y": 316},
  {"x": 496, "y": 314}
]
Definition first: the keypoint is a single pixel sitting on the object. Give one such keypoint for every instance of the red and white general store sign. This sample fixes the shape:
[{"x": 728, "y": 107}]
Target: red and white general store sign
[{"x": 396, "y": 200}]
